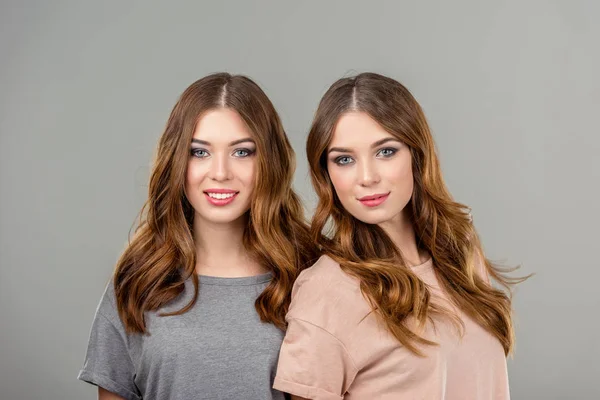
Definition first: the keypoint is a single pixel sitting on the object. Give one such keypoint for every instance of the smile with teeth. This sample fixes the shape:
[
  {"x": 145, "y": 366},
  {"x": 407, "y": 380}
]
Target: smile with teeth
[{"x": 221, "y": 196}]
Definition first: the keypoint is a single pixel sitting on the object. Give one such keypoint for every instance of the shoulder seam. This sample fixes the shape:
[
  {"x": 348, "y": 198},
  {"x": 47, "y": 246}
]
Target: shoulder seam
[
  {"x": 333, "y": 336},
  {"x": 112, "y": 324}
]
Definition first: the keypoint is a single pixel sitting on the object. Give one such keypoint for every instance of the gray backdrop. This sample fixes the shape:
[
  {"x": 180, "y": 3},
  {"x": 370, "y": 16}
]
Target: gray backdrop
[{"x": 511, "y": 89}]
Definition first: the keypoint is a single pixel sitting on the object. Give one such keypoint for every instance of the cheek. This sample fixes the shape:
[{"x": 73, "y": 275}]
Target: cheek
[
  {"x": 245, "y": 171},
  {"x": 194, "y": 174},
  {"x": 401, "y": 176},
  {"x": 342, "y": 180}
]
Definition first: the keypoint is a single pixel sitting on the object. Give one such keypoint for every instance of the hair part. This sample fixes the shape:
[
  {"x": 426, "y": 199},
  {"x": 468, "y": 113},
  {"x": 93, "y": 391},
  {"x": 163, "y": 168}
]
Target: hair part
[{"x": 222, "y": 100}]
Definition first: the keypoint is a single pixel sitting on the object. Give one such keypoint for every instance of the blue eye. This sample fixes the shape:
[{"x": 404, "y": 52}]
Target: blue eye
[
  {"x": 199, "y": 153},
  {"x": 242, "y": 153},
  {"x": 343, "y": 160},
  {"x": 387, "y": 152}
]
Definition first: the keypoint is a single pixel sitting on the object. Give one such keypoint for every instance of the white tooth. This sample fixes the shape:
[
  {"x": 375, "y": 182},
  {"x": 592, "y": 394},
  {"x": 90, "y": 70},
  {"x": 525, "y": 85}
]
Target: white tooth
[{"x": 220, "y": 196}]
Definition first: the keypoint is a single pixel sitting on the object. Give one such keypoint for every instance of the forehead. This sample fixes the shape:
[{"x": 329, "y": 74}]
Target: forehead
[
  {"x": 355, "y": 129},
  {"x": 221, "y": 125}
]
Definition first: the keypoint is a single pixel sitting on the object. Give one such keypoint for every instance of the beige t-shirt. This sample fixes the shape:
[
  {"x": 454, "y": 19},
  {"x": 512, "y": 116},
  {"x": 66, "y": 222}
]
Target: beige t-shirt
[{"x": 335, "y": 348}]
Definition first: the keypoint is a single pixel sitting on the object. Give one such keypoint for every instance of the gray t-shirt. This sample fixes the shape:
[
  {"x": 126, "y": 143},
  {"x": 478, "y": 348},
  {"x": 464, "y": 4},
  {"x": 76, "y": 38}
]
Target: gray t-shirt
[{"x": 218, "y": 350}]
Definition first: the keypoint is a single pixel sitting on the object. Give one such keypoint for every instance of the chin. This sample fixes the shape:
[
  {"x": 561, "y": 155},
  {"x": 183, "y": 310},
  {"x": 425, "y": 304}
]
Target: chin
[
  {"x": 227, "y": 217},
  {"x": 372, "y": 219}
]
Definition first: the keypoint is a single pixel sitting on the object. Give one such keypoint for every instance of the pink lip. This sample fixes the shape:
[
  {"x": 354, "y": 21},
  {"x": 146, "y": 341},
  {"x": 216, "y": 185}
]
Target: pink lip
[
  {"x": 220, "y": 202},
  {"x": 374, "y": 200}
]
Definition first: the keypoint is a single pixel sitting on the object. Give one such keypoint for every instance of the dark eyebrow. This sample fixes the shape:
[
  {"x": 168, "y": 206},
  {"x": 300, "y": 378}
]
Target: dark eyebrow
[
  {"x": 339, "y": 150},
  {"x": 382, "y": 141},
  {"x": 376, "y": 144},
  {"x": 235, "y": 142},
  {"x": 245, "y": 140}
]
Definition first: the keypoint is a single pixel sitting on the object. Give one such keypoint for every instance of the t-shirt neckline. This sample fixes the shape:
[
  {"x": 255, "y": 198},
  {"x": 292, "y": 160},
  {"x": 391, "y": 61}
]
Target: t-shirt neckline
[{"x": 241, "y": 281}]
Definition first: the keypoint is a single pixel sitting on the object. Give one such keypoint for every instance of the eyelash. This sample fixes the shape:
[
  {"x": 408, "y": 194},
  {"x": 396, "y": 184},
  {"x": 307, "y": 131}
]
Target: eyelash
[
  {"x": 338, "y": 160},
  {"x": 196, "y": 152},
  {"x": 393, "y": 151},
  {"x": 248, "y": 152}
]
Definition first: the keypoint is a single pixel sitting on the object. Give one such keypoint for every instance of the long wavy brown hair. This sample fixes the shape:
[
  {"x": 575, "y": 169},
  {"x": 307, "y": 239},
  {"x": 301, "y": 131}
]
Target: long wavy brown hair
[
  {"x": 161, "y": 255},
  {"x": 442, "y": 226}
]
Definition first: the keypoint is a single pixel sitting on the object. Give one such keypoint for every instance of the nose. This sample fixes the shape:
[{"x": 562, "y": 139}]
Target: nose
[
  {"x": 220, "y": 169},
  {"x": 368, "y": 174}
]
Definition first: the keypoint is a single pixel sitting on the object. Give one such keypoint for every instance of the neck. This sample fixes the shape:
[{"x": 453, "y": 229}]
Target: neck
[
  {"x": 220, "y": 249},
  {"x": 402, "y": 232}
]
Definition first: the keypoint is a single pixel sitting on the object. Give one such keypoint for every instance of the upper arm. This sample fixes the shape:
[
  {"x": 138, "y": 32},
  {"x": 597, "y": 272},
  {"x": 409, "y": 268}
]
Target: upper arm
[
  {"x": 108, "y": 363},
  {"x": 104, "y": 394},
  {"x": 313, "y": 363}
]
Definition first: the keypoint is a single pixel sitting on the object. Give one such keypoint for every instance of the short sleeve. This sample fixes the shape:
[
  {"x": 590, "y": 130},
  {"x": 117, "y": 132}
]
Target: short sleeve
[
  {"x": 108, "y": 363},
  {"x": 313, "y": 363}
]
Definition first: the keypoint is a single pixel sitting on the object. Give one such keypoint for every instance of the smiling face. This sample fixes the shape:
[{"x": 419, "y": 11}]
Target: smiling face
[
  {"x": 370, "y": 169},
  {"x": 221, "y": 168}
]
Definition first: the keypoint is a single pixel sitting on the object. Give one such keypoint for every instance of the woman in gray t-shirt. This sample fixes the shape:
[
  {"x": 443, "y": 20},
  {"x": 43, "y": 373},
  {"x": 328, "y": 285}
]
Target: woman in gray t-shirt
[{"x": 196, "y": 306}]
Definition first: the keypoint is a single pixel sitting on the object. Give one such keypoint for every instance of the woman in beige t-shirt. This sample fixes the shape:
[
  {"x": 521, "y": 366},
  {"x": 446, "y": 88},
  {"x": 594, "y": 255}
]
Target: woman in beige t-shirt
[{"x": 400, "y": 305}]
